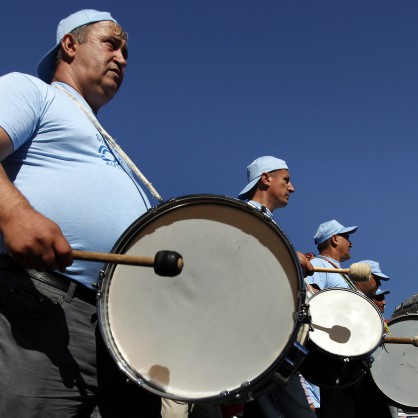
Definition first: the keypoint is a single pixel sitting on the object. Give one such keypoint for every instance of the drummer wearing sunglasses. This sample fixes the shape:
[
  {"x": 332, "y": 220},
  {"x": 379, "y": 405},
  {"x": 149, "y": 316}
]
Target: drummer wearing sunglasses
[
  {"x": 371, "y": 287},
  {"x": 334, "y": 246},
  {"x": 333, "y": 243},
  {"x": 380, "y": 300}
]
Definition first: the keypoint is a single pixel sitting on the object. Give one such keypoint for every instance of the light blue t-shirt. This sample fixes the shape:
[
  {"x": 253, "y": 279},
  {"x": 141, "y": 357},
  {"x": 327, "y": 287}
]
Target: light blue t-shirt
[
  {"x": 66, "y": 169},
  {"x": 313, "y": 394},
  {"x": 326, "y": 280},
  {"x": 261, "y": 207}
]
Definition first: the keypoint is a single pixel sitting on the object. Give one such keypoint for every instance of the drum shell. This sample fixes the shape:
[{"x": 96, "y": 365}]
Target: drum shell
[
  {"x": 408, "y": 306},
  {"x": 209, "y": 292},
  {"x": 395, "y": 367},
  {"x": 347, "y": 328},
  {"x": 325, "y": 370}
]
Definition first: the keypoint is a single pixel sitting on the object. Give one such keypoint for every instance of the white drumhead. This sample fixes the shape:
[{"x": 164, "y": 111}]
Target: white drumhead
[
  {"x": 345, "y": 323},
  {"x": 395, "y": 366},
  {"x": 223, "y": 321}
]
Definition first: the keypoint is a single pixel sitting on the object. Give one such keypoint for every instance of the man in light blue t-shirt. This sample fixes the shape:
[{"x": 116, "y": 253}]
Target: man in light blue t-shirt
[
  {"x": 64, "y": 185},
  {"x": 333, "y": 243},
  {"x": 268, "y": 188}
]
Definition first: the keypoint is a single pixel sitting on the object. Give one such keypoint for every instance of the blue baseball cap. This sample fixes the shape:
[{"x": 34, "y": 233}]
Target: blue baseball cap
[
  {"x": 381, "y": 292},
  {"x": 259, "y": 166},
  {"x": 47, "y": 64},
  {"x": 327, "y": 229},
  {"x": 375, "y": 269}
]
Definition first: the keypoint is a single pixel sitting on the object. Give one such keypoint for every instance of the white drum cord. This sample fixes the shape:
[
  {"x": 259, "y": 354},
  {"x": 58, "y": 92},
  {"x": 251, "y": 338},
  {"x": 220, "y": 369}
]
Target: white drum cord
[{"x": 112, "y": 142}]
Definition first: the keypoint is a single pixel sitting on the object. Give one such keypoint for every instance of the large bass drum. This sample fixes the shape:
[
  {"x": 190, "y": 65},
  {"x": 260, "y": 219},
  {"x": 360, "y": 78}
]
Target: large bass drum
[
  {"x": 224, "y": 328},
  {"x": 395, "y": 366},
  {"x": 346, "y": 328}
]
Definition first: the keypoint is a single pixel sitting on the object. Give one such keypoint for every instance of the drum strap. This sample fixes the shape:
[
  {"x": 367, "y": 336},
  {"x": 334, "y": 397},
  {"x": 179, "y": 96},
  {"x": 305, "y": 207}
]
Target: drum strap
[
  {"x": 346, "y": 278},
  {"x": 309, "y": 289},
  {"x": 100, "y": 128}
]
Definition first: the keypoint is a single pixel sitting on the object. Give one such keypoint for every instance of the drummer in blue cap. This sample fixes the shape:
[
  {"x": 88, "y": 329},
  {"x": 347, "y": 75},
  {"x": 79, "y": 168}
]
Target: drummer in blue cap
[
  {"x": 57, "y": 168},
  {"x": 332, "y": 240},
  {"x": 269, "y": 188},
  {"x": 371, "y": 287},
  {"x": 380, "y": 300}
]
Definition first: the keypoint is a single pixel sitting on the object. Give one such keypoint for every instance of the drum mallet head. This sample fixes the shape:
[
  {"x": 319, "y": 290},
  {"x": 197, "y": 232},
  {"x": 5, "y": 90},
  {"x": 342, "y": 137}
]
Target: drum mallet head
[
  {"x": 359, "y": 272},
  {"x": 165, "y": 263},
  {"x": 168, "y": 263}
]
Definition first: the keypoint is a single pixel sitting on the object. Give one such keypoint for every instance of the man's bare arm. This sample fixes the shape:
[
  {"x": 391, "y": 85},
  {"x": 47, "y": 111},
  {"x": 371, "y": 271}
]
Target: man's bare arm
[
  {"x": 306, "y": 265},
  {"x": 30, "y": 238}
]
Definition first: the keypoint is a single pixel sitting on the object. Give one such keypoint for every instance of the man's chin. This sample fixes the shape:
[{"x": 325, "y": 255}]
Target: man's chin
[
  {"x": 112, "y": 85},
  {"x": 110, "y": 90}
]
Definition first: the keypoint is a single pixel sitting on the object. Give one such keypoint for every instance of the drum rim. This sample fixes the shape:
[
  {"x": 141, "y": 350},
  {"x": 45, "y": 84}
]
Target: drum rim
[
  {"x": 124, "y": 241},
  {"x": 359, "y": 357},
  {"x": 399, "y": 318}
]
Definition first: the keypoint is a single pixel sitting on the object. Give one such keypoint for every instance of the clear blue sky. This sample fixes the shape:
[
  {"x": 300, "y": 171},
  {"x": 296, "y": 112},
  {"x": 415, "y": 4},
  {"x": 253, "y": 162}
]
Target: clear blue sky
[{"x": 329, "y": 86}]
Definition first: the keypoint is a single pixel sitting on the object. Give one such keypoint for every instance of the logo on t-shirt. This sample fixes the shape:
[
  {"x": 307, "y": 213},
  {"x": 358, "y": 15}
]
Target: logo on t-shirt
[{"x": 106, "y": 155}]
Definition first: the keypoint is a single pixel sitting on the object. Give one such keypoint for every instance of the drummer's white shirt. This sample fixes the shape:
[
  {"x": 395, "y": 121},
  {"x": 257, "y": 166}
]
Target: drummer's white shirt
[{"x": 66, "y": 169}]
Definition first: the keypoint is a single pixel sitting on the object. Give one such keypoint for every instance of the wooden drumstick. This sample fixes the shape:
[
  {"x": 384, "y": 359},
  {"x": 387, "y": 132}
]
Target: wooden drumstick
[
  {"x": 165, "y": 263},
  {"x": 402, "y": 340},
  {"x": 358, "y": 272}
]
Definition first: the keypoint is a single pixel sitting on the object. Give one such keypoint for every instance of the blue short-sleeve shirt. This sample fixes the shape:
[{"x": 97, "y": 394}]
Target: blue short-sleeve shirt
[{"x": 66, "y": 169}]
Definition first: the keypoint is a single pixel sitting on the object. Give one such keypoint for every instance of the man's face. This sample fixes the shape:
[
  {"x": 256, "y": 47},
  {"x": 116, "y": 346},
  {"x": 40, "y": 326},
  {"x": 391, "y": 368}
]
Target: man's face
[
  {"x": 280, "y": 188},
  {"x": 100, "y": 62},
  {"x": 380, "y": 302},
  {"x": 370, "y": 287},
  {"x": 344, "y": 246}
]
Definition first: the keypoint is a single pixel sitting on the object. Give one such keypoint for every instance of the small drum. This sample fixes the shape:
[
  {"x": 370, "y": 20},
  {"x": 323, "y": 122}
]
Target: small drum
[
  {"x": 395, "y": 366},
  {"x": 228, "y": 324},
  {"x": 347, "y": 328}
]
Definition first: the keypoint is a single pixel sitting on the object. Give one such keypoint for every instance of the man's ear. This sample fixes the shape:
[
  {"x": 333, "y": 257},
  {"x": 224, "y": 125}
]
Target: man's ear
[
  {"x": 265, "y": 179},
  {"x": 69, "y": 45},
  {"x": 334, "y": 240}
]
